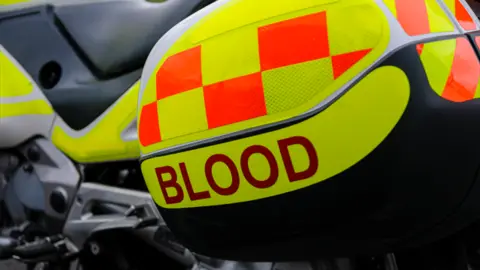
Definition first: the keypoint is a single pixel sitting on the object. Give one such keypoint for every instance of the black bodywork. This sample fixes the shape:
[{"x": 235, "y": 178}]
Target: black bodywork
[
  {"x": 85, "y": 55},
  {"x": 418, "y": 186}
]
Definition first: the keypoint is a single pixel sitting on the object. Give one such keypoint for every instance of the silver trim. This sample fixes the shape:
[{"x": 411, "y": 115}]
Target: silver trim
[
  {"x": 130, "y": 132},
  {"x": 451, "y": 16},
  {"x": 33, "y": 3}
]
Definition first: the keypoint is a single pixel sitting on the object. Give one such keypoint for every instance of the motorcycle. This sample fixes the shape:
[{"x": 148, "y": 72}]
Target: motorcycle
[
  {"x": 71, "y": 188},
  {"x": 72, "y": 195}
]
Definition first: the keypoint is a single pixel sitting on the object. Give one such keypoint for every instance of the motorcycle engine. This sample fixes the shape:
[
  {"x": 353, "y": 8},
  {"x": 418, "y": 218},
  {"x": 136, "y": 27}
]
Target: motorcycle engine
[{"x": 37, "y": 187}]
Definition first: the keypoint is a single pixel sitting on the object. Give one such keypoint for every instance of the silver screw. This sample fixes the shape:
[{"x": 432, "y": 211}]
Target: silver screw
[{"x": 94, "y": 248}]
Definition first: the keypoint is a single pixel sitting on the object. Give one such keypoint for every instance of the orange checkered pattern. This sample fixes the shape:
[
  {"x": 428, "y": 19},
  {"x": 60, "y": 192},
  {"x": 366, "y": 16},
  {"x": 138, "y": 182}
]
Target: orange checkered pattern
[
  {"x": 452, "y": 68},
  {"x": 420, "y": 17},
  {"x": 282, "y": 44}
]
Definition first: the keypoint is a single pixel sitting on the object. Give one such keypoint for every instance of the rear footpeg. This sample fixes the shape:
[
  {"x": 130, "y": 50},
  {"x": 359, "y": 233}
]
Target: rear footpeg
[
  {"x": 39, "y": 248},
  {"x": 46, "y": 249}
]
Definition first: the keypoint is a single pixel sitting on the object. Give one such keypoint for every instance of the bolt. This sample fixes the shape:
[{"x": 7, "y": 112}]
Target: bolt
[
  {"x": 33, "y": 154},
  {"x": 59, "y": 200},
  {"x": 28, "y": 168},
  {"x": 94, "y": 248}
]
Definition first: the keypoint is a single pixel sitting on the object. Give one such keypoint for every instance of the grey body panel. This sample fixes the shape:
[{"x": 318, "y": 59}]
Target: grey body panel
[
  {"x": 99, "y": 46},
  {"x": 117, "y": 36},
  {"x": 32, "y": 186},
  {"x": 33, "y": 39},
  {"x": 16, "y": 130}
]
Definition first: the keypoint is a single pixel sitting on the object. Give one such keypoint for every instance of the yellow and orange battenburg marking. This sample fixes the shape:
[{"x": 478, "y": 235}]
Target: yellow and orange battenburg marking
[
  {"x": 421, "y": 17},
  {"x": 458, "y": 9},
  {"x": 294, "y": 46},
  {"x": 13, "y": 82},
  {"x": 284, "y": 160},
  {"x": 452, "y": 68},
  {"x": 11, "y": 2}
]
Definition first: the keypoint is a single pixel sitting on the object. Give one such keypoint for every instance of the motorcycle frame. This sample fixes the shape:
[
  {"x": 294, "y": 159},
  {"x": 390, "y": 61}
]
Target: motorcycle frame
[{"x": 47, "y": 177}]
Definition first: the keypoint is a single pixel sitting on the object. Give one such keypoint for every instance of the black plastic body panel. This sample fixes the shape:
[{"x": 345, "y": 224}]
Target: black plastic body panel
[
  {"x": 33, "y": 38},
  {"x": 117, "y": 36},
  {"x": 418, "y": 186}
]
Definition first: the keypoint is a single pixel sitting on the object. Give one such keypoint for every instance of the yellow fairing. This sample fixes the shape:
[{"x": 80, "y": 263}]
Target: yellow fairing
[
  {"x": 25, "y": 108},
  {"x": 229, "y": 38},
  {"x": 11, "y": 2},
  {"x": 99, "y": 142},
  {"x": 13, "y": 82},
  {"x": 343, "y": 134},
  {"x": 103, "y": 141}
]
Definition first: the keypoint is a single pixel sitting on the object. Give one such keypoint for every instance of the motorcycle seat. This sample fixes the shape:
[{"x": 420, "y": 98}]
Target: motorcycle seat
[{"x": 115, "y": 37}]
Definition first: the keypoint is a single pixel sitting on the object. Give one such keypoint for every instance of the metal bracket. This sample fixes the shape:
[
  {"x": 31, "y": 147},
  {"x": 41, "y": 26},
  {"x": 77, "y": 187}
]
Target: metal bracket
[{"x": 140, "y": 211}]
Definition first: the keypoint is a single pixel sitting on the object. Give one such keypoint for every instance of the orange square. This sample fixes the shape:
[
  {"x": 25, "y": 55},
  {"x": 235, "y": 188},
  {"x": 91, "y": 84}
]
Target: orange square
[
  {"x": 293, "y": 41},
  {"x": 464, "y": 75},
  {"x": 234, "y": 100},
  {"x": 149, "y": 130},
  {"x": 180, "y": 72},
  {"x": 343, "y": 62}
]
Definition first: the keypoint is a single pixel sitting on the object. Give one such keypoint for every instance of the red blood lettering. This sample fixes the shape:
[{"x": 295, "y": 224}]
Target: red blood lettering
[
  {"x": 287, "y": 159},
  {"x": 194, "y": 196},
  {"x": 172, "y": 183},
  {"x": 273, "y": 176},
  {"x": 233, "y": 171}
]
